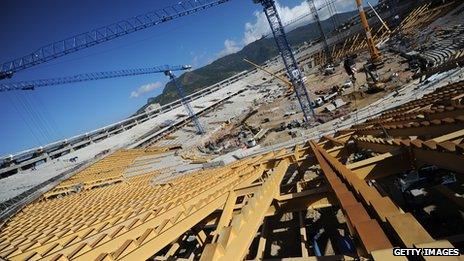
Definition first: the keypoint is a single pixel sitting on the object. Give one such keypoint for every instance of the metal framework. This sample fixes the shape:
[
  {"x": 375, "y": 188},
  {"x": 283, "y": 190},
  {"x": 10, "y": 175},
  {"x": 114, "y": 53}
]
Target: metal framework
[
  {"x": 288, "y": 58},
  {"x": 31, "y": 85},
  {"x": 375, "y": 54},
  {"x": 313, "y": 10},
  {"x": 185, "y": 101},
  {"x": 332, "y": 8},
  {"x": 230, "y": 212},
  {"x": 104, "y": 34},
  {"x": 256, "y": 206}
]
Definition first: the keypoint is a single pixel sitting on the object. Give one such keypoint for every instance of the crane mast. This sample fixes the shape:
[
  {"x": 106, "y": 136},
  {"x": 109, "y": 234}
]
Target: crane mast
[
  {"x": 288, "y": 58},
  {"x": 185, "y": 101}
]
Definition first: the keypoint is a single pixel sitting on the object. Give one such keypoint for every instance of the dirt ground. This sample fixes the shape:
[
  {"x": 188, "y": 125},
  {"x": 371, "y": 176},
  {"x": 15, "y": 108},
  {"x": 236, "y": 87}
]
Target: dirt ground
[{"x": 285, "y": 110}]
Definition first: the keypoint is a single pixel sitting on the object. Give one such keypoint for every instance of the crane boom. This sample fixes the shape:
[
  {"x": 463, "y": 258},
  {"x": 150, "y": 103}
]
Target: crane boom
[
  {"x": 30, "y": 85},
  {"x": 376, "y": 57},
  {"x": 380, "y": 18},
  {"x": 288, "y": 83},
  {"x": 104, "y": 34}
]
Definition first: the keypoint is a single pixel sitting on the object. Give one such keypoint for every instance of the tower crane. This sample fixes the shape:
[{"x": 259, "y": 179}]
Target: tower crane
[
  {"x": 290, "y": 62},
  {"x": 166, "y": 69},
  {"x": 312, "y": 8},
  {"x": 31, "y": 85},
  {"x": 376, "y": 57},
  {"x": 104, "y": 34}
]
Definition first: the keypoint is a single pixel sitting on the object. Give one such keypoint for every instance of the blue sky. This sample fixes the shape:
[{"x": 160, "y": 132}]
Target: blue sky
[{"x": 48, "y": 114}]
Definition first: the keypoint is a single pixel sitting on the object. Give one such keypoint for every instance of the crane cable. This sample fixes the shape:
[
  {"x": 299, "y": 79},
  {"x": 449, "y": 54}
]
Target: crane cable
[
  {"x": 29, "y": 127},
  {"x": 50, "y": 117},
  {"x": 109, "y": 50},
  {"x": 41, "y": 121},
  {"x": 31, "y": 119}
]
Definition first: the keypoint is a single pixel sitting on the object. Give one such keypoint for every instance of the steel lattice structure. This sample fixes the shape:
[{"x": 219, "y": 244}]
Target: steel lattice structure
[
  {"x": 104, "y": 34},
  {"x": 312, "y": 7},
  {"x": 30, "y": 85},
  {"x": 288, "y": 58},
  {"x": 185, "y": 102}
]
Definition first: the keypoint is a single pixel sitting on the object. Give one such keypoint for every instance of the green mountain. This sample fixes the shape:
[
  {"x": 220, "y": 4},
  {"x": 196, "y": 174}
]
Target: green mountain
[{"x": 222, "y": 68}]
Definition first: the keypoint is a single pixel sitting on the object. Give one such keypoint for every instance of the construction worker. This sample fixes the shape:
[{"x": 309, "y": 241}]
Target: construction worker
[
  {"x": 350, "y": 67},
  {"x": 423, "y": 68}
]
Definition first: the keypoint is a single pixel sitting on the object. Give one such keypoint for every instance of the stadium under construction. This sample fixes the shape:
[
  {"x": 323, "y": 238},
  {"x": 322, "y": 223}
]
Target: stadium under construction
[{"x": 343, "y": 148}]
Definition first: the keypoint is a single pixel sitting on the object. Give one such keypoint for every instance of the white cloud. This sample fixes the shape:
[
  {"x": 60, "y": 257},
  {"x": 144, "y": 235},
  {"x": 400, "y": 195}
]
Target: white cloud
[
  {"x": 230, "y": 46},
  {"x": 260, "y": 26},
  {"x": 199, "y": 59},
  {"x": 255, "y": 30},
  {"x": 297, "y": 16},
  {"x": 291, "y": 17},
  {"x": 145, "y": 89}
]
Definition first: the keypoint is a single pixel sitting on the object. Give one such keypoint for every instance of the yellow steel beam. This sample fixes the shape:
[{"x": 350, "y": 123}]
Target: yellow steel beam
[
  {"x": 423, "y": 153},
  {"x": 303, "y": 235},
  {"x": 383, "y": 165},
  {"x": 446, "y": 160},
  {"x": 285, "y": 81},
  {"x": 450, "y": 136},
  {"x": 406, "y": 227},
  {"x": 146, "y": 249},
  {"x": 262, "y": 240},
  {"x": 168, "y": 233},
  {"x": 305, "y": 193},
  {"x": 359, "y": 222},
  {"x": 380, "y": 18},
  {"x": 226, "y": 215},
  {"x": 315, "y": 201},
  {"x": 431, "y": 130},
  {"x": 234, "y": 241},
  {"x": 334, "y": 141},
  {"x": 377, "y": 147}
]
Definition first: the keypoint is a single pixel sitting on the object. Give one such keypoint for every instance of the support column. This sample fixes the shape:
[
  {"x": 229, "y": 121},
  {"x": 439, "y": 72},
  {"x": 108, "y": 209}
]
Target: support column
[
  {"x": 201, "y": 237},
  {"x": 47, "y": 157},
  {"x": 262, "y": 241},
  {"x": 304, "y": 236}
]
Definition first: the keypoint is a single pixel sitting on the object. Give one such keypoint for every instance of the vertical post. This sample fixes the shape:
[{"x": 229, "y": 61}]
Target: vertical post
[
  {"x": 303, "y": 235},
  {"x": 375, "y": 54}
]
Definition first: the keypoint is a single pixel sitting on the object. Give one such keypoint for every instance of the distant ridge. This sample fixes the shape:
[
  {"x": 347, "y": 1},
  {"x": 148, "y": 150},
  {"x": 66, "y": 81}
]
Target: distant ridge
[{"x": 224, "y": 67}]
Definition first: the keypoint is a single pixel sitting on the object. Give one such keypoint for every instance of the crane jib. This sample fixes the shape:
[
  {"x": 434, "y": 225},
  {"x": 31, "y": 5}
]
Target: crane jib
[
  {"x": 104, "y": 34},
  {"x": 31, "y": 85}
]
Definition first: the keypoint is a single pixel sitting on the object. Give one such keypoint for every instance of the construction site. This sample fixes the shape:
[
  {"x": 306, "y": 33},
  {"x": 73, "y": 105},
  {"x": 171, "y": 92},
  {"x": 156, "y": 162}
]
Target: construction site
[{"x": 343, "y": 148}]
